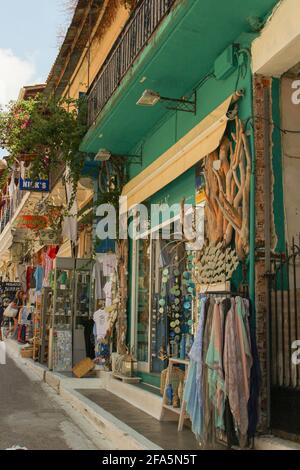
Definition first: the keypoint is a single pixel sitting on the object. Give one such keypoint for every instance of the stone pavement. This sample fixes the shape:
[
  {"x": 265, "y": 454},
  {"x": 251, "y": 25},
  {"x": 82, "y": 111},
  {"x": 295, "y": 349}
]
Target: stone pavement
[{"x": 33, "y": 416}]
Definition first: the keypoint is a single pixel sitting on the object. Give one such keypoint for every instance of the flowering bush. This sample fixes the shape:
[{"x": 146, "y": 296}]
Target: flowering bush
[{"x": 45, "y": 131}]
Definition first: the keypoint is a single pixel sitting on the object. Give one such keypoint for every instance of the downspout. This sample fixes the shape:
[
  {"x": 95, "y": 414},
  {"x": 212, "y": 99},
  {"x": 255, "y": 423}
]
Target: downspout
[
  {"x": 252, "y": 234},
  {"x": 268, "y": 212}
]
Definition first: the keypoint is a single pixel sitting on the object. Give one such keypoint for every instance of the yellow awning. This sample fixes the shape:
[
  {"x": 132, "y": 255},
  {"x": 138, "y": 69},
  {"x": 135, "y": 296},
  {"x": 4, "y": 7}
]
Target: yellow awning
[{"x": 193, "y": 147}]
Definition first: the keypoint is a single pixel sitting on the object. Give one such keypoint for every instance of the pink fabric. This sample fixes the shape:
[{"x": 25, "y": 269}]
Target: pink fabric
[{"x": 48, "y": 266}]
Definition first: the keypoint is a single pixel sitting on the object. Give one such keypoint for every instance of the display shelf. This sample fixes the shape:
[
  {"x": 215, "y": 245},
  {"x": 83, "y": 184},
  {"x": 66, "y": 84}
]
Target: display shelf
[{"x": 181, "y": 411}]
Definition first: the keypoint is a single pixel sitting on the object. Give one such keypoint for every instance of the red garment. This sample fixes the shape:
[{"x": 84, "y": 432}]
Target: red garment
[
  {"x": 52, "y": 252},
  {"x": 29, "y": 275}
]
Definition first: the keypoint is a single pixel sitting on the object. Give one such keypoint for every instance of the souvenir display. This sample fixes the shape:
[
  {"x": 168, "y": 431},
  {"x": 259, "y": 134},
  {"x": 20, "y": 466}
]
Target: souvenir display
[
  {"x": 71, "y": 311},
  {"x": 217, "y": 265},
  {"x": 62, "y": 349}
]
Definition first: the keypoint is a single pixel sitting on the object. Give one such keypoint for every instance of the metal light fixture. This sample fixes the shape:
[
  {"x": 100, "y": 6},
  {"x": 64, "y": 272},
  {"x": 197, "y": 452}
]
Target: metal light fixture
[
  {"x": 151, "y": 98},
  {"x": 103, "y": 156}
]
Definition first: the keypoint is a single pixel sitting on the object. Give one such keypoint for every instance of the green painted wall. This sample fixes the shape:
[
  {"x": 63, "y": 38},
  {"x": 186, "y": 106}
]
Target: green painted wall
[{"x": 278, "y": 202}]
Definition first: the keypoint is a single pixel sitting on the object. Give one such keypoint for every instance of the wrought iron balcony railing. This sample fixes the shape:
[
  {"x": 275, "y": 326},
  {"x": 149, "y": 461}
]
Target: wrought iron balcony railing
[
  {"x": 9, "y": 208},
  {"x": 134, "y": 37}
]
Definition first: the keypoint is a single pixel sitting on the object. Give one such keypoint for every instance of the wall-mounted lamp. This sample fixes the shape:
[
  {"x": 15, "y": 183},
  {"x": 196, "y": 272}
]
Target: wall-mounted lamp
[
  {"x": 104, "y": 155},
  {"x": 151, "y": 98}
]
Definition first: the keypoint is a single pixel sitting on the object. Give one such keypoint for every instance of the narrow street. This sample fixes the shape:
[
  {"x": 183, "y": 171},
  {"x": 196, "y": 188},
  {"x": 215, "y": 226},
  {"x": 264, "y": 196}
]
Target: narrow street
[
  {"x": 34, "y": 417},
  {"x": 149, "y": 227}
]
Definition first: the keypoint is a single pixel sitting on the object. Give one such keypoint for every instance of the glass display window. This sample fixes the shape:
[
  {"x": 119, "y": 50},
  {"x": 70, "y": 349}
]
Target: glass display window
[{"x": 162, "y": 299}]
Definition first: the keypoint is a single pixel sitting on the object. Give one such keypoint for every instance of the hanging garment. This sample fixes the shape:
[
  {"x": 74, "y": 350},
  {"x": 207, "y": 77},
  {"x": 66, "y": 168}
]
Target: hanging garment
[
  {"x": 214, "y": 362},
  {"x": 193, "y": 387},
  {"x": 52, "y": 252},
  {"x": 208, "y": 435},
  {"x": 48, "y": 266},
  {"x": 24, "y": 314},
  {"x": 102, "y": 323},
  {"x": 29, "y": 276},
  {"x": 109, "y": 262},
  {"x": 39, "y": 276},
  {"x": 237, "y": 365},
  {"x": 108, "y": 293},
  {"x": 99, "y": 279}
]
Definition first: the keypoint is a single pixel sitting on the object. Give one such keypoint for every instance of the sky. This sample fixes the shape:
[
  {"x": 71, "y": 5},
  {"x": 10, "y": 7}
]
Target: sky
[
  {"x": 28, "y": 42},
  {"x": 29, "y": 31}
]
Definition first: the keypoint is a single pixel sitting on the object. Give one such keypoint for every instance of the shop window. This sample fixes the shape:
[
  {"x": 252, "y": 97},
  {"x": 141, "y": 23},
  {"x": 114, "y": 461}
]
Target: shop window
[{"x": 160, "y": 319}]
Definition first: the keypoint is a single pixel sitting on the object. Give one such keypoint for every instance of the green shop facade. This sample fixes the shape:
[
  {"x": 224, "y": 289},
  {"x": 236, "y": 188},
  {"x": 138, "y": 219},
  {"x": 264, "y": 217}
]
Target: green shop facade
[{"x": 196, "y": 58}]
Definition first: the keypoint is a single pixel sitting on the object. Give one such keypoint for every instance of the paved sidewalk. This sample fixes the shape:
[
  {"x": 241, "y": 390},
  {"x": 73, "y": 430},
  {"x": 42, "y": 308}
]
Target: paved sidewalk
[{"x": 110, "y": 422}]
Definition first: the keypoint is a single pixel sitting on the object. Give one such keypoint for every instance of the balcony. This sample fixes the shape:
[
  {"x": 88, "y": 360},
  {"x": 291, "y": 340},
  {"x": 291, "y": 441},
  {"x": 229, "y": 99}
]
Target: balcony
[
  {"x": 134, "y": 37},
  {"x": 10, "y": 206}
]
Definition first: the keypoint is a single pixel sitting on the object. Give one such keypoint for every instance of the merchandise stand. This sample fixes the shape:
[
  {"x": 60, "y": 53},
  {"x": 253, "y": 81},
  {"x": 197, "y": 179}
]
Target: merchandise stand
[{"x": 181, "y": 412}]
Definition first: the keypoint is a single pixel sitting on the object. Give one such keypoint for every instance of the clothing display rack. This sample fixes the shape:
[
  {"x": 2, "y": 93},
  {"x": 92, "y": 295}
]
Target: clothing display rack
[{"x": 221, "y": 391}]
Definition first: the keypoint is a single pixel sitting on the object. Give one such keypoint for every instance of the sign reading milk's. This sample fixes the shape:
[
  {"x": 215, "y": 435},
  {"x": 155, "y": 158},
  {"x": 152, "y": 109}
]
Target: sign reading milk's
[{"x": 28, "y": 184}]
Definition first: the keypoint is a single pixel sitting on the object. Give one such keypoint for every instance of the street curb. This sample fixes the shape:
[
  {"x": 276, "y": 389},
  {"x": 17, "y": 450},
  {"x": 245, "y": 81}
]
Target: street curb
[{"x": 115, "y": 430}]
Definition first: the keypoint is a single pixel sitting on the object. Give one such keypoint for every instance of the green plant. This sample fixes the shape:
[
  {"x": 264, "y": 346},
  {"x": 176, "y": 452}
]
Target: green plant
[{"x": 45, "y": 132}]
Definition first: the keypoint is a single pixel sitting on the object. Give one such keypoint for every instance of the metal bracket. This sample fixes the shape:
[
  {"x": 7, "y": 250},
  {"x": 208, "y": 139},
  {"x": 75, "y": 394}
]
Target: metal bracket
[
  {"x": 186, "y": 106},
  {"x": 134, "y": 159}
]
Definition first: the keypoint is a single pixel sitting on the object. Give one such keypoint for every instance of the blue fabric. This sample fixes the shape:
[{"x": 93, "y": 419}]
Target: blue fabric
[
  {"x": 193, "y": 388},
  {"x": 39, "y": 276}
]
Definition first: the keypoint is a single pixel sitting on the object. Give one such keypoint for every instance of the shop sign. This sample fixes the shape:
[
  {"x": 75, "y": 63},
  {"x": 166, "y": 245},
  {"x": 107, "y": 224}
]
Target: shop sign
[
  {"x": 32, "y": 222},
  {"x": 10, "y": 287},
  {"x": 28, "y": 184},
  {"x": 49, "y": 237}
]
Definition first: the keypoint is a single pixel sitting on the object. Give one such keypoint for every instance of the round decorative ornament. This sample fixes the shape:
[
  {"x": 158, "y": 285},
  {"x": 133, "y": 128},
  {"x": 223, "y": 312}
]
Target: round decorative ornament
[
  {"x": 177, "y": 301},
  {"x": 162, "y": 302},
  {"x": 177, "y": 330}
]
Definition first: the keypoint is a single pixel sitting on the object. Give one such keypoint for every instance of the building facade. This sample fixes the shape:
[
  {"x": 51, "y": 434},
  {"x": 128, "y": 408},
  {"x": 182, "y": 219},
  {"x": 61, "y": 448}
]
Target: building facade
[{"x": 192, "y": 118}]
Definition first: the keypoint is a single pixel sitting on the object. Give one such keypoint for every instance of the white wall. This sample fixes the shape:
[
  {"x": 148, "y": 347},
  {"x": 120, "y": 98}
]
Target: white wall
[{"x": 291, "y": 157}]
